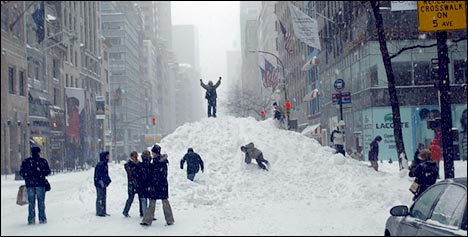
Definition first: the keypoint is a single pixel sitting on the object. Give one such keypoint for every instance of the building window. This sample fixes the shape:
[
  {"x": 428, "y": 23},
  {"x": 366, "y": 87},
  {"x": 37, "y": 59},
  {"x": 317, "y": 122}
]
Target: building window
[
  {"x": 11, "y": 80},
  {"x": 459, "y": 71},
  {"x": 54, "y": 68},
  {"x": 5, "y": 19},
  {"x": 36, "y": 70},
  {"x": 56, "y": 96},
  {"x": 422, "y": 73},
  {"x": 21, "y": 83},
  {"x": 66, "y": 80},
  {"x": 402, "y": 72}
]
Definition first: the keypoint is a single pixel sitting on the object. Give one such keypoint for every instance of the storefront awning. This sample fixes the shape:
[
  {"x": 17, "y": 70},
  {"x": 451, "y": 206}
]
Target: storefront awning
[{"x": 311, "y": 130}]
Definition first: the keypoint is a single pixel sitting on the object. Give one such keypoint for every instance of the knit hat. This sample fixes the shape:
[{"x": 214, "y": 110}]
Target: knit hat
[{"x": 156, "y": 149}]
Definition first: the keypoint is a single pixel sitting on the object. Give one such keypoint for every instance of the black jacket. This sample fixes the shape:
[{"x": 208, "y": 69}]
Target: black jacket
[
  {"x": 194, "y": 162},
  {"x": 132, "y": 173},
  {"x": 426, "y": 174},
  {"x": 374, "y": 151},
  {"x": 101, "y": 172},
  {"x": 34, "y": 170},
  {"x": 143, "y": 177},
  {"x": 158, "y": 187}
]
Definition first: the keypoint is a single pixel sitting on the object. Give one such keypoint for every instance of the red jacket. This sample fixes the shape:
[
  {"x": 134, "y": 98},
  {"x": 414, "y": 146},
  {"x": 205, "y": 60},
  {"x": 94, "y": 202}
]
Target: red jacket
[{"x": 436, "y": 151}]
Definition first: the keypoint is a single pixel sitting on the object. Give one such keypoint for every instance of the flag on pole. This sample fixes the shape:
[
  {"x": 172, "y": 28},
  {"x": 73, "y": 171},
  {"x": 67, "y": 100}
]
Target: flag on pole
[
  {"x": 305, "y": 28},
  {"x": 287, "y": 38},
  {"x": 271, "y": 75},
  {"x": 38, "y": 17}
]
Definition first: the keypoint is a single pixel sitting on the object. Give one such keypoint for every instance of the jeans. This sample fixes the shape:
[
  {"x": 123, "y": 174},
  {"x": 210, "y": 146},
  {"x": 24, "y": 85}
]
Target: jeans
[
  {"x": 101, "y": 201},
  {"x": 191, "y": 176},
  {"x": 260, "y": 160},
  {"x": 212, "y": 104},
  {"x": 38, "y": 192},
  {"x": 128, "y": 204},
  {"x": 340, "y": 149},
  {"x": 143, "y": 205}
]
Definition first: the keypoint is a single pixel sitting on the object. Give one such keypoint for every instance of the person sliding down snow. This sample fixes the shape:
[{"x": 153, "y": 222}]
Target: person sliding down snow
[{"x": 251, "y": 152}]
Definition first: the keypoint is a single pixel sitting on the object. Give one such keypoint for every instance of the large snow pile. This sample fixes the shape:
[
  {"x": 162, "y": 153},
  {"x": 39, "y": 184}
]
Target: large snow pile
[{"x": 308, "y": 191}]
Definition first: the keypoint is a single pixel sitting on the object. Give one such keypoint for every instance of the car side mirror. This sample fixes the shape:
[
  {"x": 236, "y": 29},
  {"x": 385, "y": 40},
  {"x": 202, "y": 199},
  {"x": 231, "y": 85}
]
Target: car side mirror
[{"x": 399, "y": 211}]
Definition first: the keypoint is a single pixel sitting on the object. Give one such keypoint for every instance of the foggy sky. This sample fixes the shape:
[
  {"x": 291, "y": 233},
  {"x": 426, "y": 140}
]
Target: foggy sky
[{"x": 218, "y": 29}]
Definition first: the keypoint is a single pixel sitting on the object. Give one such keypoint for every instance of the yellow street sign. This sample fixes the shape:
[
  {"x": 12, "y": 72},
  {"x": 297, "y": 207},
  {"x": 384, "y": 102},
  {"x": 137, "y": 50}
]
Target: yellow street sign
[{"x": 441, "y": 15}]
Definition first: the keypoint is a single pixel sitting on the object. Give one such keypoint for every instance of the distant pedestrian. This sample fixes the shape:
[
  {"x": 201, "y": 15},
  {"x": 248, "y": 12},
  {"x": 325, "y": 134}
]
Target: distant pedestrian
[
  {"x": 101, "y": 181},
  {"x": 158, "y": 187},
  {"x": 278, "y": 114},
  {"x": 194, "y": 163},
  {"x": 374, "y": 153},
  {"x": 338, "y": 137},
  {"x": 251, "y": 152},
  {"x": 34, "y": 170},
  {"x": 131, "y": 167},
  {"x": 425, "y": 172},
  {"x": 211, "y": 95},
  {"x": 436, "y": 152}
]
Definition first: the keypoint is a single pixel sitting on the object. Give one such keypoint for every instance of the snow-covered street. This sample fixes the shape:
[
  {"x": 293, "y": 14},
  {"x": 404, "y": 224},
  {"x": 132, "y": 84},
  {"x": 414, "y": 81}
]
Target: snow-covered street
[{"x": 308, "y": 190}]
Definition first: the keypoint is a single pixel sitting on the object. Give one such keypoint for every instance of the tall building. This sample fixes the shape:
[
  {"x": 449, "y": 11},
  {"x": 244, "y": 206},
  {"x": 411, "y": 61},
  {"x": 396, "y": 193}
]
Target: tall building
[
  {"x": 121, "y": 26},
  {"x": 14, "y": 89}
]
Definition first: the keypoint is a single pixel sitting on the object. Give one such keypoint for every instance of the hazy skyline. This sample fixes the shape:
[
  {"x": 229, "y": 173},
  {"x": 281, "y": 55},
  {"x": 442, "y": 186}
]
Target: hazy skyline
[{"x": 218, "y": 29}]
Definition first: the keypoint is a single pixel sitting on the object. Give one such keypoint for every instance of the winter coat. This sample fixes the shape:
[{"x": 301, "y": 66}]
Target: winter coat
[
  {"x": 337, "y": 136},
  {"x": 210, "y": 94},
  {"x": 101, "y": 172},
  {"x": 132, "y": 173},
  {"x": 194, "y": 162},
  {"x": 251, "y": 152},
  {"x": 374, "y": 151},
  {"x": 143, "y": 178},
  {"x": 158, "y": 187},
  {"x": 436, "y": 151},
  {"x": 34, "y": 170},
  {"x": 426, "y": 174},
  {"x": 278, "y": 113}
]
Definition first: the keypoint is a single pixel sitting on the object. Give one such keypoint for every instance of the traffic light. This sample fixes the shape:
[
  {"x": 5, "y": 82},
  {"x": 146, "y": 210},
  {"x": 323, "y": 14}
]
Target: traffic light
[
  {"x": 262, "y": 113},
  {"x": 288, "y": 107},
  {"x": 153, "y": 119}
]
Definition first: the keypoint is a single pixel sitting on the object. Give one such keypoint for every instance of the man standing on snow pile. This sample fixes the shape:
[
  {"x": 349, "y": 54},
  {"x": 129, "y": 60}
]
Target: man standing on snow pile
[{"x": 211, "y": 95}]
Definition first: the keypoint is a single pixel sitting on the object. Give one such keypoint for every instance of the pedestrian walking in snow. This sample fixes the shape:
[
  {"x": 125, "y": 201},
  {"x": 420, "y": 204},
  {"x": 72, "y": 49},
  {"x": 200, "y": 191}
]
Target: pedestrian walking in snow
[
  {"x": 425, "y": 173},
  {"x": 251, "y": 152},
  {"x": 158, "y": 187},
  {"x": 131, "y": 167},
  {"x": 211, "y": 95},
  {"x": 374, "y": 153},
  {"x": 194, "y": 163},
  {"x": 338, "y": 137},
  {"x": 34, "y": 170},
  {"x": 143, "y": 174},
  {"x": 102, "y": 181},
  {"x": 278, "y": 114}
]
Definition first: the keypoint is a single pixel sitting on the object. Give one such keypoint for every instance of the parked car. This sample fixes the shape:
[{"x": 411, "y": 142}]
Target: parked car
[{"x": 440, "y": 210}]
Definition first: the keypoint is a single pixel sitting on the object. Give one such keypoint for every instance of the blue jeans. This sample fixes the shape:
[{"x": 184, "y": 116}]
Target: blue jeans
[
  {"x": 38, "y": 192},
  {"x": 128, "y": 204},
  {"x": 191, "y": 176},
  {"x": 143, "y": 205},
  {"x": 101, "y": 201}
]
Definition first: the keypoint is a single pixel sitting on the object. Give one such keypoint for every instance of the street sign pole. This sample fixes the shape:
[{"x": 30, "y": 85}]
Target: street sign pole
[{"x": 341, "y": 105}]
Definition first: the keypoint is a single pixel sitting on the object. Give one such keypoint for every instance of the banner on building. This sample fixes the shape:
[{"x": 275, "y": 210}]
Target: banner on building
[
  {"x": 404, "y": 5},
  {"x": 100, "y": 107},
  {"x": 305, "y": 28},
  {"x": 74, "y": 109}
]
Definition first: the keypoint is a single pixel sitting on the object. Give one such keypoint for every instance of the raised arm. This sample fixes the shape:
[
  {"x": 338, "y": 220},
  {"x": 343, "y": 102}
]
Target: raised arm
[
  {"x": 218, "y": 83},
  {"x": 203, "y": 85}
]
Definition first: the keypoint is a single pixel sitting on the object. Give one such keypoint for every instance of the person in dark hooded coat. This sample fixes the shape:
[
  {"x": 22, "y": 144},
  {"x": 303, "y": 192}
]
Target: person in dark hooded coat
[
  {"x": 101, "y": 181},
  {"x": 132, "y": 187},
  {"x": 158, "y": 187},
  {"x": 211, "y": 95},
  {"x": 426, "y": 172},
  {"x": 194, "y": 163},
  {"x": 34, "y": 170}
]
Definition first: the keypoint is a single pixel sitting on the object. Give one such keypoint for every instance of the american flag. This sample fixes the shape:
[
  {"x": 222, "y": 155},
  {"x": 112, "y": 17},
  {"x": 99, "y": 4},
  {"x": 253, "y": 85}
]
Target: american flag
[
  {"x": 271, "y": 75},
  {"x": 287, "y": 38}
]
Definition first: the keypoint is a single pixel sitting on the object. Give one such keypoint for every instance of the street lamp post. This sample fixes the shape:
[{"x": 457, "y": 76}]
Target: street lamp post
[{"x": 284, "y": 80}]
